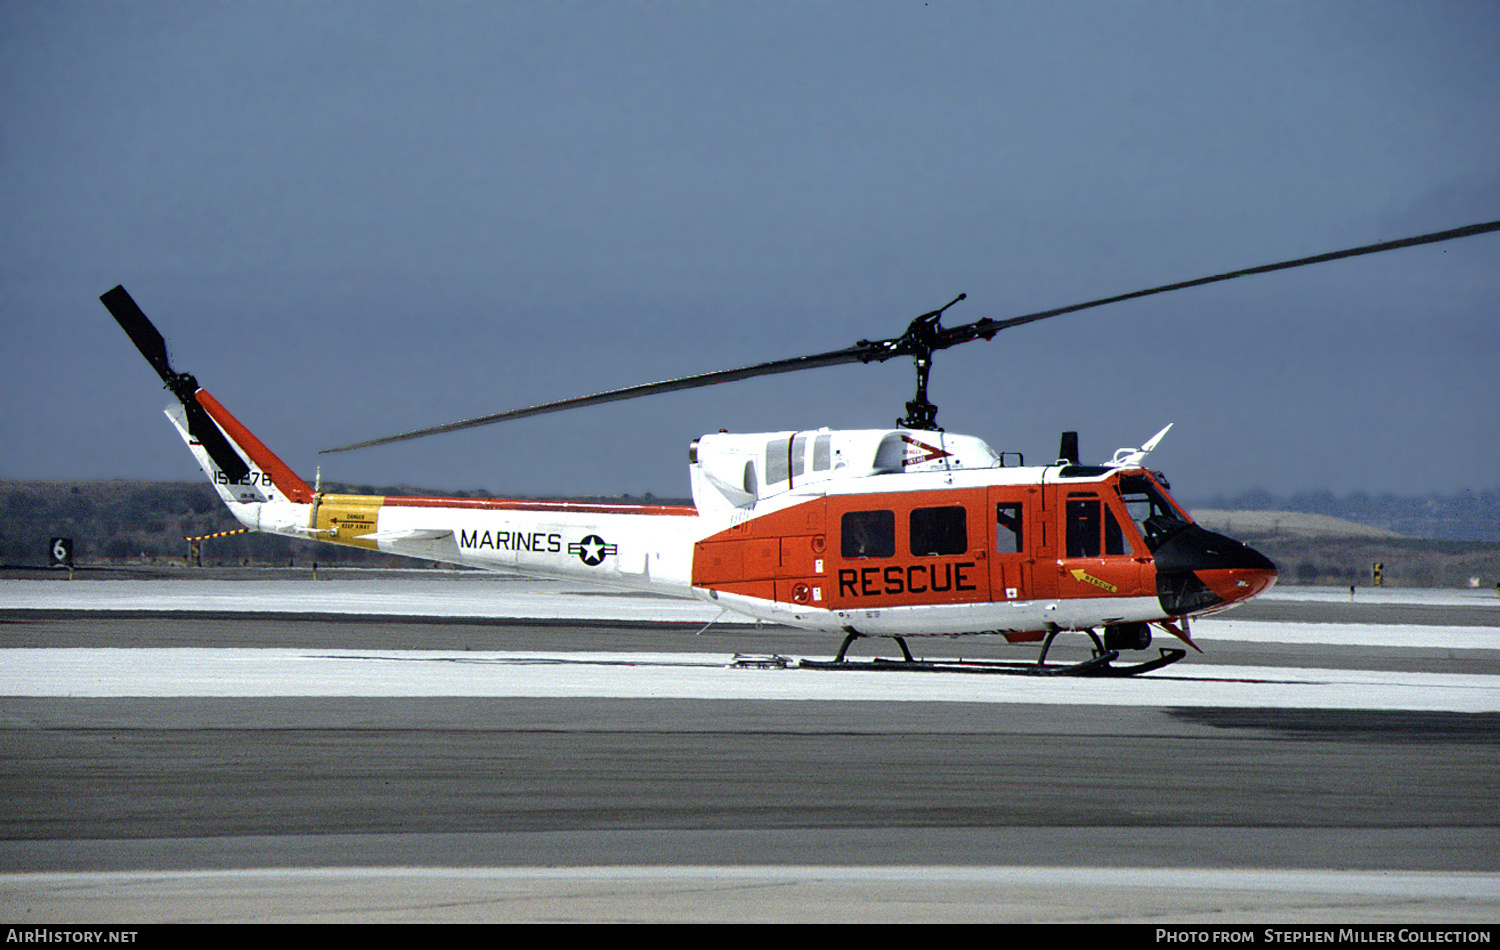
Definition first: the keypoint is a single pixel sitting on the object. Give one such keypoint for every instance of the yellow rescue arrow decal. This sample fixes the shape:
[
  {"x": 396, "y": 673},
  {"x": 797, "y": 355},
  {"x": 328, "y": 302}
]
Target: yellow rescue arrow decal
[{"x": 1079, "y": 574}]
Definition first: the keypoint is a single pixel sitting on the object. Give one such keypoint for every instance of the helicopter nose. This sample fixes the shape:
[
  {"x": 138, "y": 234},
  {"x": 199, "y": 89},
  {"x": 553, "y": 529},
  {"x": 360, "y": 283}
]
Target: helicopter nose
[{"x": 1198, "y": 571}]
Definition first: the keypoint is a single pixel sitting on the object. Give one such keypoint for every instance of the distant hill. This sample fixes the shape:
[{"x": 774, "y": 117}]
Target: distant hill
[
  {"x": 1464, "y": 516},
  {"x": 1290, "y": 524},
  {"x": 1322, "y": 549}
]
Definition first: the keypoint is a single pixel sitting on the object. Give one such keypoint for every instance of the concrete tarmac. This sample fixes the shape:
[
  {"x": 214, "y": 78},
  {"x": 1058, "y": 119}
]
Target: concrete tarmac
[{"x": 344, "y": 808}]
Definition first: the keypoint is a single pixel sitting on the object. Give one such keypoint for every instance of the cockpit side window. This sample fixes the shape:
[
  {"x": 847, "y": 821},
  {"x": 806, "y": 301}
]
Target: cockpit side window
[
  {"x": 1114, "y": 536},
  {"x": 1089, "y": 516},
  {"x": 1083, "y": 525},
  {"x": 1154, "y": 516}
]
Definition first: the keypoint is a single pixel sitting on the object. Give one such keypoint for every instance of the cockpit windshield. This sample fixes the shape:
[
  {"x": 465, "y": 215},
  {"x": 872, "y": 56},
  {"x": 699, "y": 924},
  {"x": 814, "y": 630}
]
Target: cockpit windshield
[{"x": 1155, "y": 517}]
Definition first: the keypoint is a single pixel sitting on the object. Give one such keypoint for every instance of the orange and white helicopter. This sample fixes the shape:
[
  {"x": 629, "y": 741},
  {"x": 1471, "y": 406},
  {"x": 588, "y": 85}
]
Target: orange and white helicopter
[{"x": 899, "y": 532}]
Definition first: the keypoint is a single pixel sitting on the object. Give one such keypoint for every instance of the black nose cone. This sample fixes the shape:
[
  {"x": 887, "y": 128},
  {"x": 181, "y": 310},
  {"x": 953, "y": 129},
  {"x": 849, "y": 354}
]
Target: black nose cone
[
  {"x": 1198, "y": 571},
  {"x": 1197, "y": 549}
]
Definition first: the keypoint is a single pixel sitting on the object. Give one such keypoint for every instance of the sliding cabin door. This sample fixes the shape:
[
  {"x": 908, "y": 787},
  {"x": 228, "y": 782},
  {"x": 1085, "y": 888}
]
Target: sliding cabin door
[{"x": 1013, "y": 535}]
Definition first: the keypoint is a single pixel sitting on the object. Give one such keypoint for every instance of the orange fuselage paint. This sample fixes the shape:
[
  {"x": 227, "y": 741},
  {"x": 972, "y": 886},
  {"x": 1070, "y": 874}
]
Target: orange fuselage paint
[
  {"x": 954, "y": 546},
  {"x": 1233, "y": 585}
]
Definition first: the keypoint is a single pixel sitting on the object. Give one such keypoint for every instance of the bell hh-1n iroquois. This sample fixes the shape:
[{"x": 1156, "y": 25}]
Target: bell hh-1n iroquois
[{"x": 899, "y": 532}]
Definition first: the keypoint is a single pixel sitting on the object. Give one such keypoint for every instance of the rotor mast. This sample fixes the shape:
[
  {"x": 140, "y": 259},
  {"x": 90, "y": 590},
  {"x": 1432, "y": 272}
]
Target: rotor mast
[{"x": 920, "y": 340}]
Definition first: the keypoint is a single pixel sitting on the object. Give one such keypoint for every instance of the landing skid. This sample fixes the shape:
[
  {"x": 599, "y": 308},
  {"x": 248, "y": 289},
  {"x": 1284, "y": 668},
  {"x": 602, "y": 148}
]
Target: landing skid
[{"x": 1101, "y": 664}]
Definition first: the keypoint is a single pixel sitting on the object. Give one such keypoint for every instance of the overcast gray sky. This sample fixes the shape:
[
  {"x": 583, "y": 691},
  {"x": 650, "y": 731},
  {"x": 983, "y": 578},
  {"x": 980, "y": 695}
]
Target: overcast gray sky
[{"x": 353, "y": 219}]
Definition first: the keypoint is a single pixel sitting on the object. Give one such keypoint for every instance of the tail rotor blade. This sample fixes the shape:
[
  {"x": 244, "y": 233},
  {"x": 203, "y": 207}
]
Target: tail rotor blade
[
  {"x": 203, "y": 428},
  {"x": 142, "y": 331},
  {"x": 153, "y": 347}
]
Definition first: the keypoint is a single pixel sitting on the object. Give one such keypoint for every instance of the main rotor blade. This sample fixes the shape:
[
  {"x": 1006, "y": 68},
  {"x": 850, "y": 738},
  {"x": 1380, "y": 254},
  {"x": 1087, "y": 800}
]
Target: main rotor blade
[
  {"x": 853, "y": 354},
  {"x": 986, "y": 328},
  {"x": 921, "y": 339}
]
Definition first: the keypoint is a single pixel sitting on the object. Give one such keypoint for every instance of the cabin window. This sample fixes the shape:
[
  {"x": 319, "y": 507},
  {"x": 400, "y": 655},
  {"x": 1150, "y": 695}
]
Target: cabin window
[
  {"x": 786, "y": 459},
  {"x": 822, "y": 454},
  {"x": 869, "y": 534},
  {"x": 1009, "y": 537},
  {"x": 939, "y": 531},
  {"x": 776, "y": 461}
]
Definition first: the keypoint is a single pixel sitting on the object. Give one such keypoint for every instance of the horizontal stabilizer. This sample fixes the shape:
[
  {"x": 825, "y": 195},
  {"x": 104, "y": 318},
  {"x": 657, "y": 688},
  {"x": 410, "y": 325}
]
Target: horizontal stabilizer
[{"x": 408, "y": 534}]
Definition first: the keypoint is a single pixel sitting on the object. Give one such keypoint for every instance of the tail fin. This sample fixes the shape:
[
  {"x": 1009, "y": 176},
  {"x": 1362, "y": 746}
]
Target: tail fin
[
  {"x": 266, "y": 479},
  {"x": 242, "y": 469}
]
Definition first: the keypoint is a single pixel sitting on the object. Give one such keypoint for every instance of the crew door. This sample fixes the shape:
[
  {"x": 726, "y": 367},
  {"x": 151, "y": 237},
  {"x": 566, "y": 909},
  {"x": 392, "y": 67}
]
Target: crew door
[{"x": 1098, "y": 557}]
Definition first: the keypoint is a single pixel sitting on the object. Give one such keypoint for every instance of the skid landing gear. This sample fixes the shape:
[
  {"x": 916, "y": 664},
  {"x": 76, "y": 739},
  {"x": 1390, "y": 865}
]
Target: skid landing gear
[{"x": 1100, "y": 664}]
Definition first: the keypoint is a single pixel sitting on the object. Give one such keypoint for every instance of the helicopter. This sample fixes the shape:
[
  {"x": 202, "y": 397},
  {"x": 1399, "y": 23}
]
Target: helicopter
[{"x": 899, "y": 532}]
